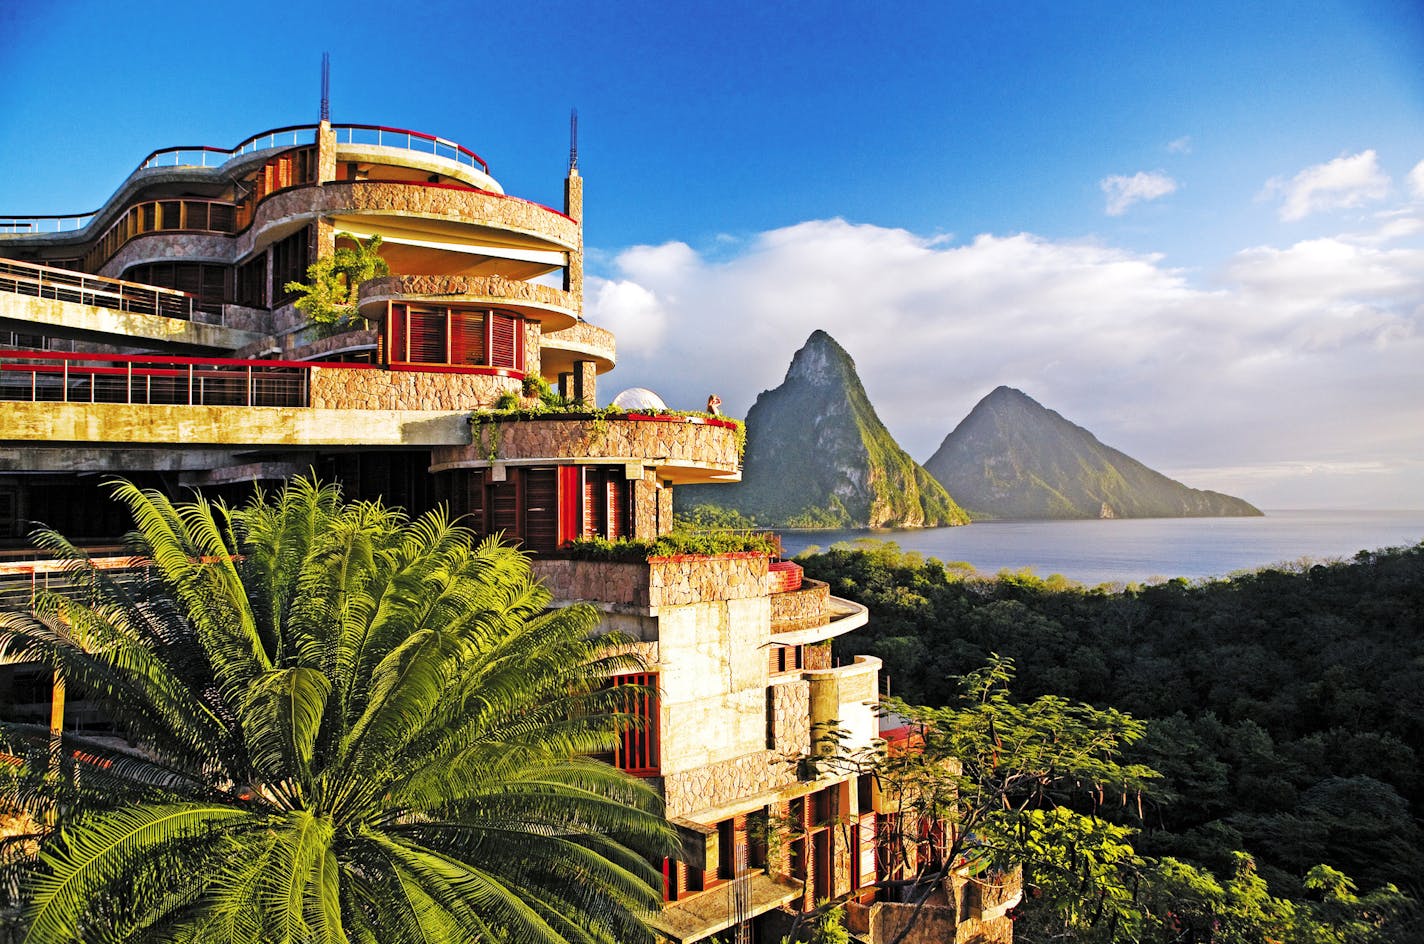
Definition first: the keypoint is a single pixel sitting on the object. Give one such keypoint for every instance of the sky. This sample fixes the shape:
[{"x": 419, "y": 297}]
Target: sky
[{"x": 1195, "y": 229}]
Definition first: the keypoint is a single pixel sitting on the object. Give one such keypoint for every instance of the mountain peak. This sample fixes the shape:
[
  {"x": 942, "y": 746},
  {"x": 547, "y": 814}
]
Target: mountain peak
[
  {"x": 820, "y": 361},
  {"x": 818, "y": 456},
  {"x": 1012, "y": 457}
]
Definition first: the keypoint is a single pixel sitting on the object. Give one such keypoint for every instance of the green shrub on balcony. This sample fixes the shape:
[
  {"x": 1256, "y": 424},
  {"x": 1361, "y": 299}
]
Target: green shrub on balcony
[{"x": 705, "y": 543}]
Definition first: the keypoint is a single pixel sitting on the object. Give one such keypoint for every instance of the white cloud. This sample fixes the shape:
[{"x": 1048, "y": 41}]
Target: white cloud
[
  {"x": 1306, "y": 353},
  {"x": 1182, "y": 145},
  {"x": 1122, "y": 192},
  {"x": 1335, "y": 185},
  {"x": 1416, "y": 180}
]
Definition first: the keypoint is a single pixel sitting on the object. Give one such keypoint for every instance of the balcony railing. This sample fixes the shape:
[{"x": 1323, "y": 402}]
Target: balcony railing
[
  {"x": 408, "y": 140},
  {"x": 25, "y": 573},
  {"x": 202, "y": 155},
  {"x": 158, "y": 216},
  {"x": 37, "y": 281},
  {"x": 54, "y": 377}
]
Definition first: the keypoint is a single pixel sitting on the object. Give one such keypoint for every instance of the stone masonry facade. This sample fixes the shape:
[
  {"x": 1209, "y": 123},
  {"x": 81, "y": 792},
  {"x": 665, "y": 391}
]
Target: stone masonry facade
[
  {"x": 358, "y": 388},
  {"x": 671, "y": 441},
  {"x": 724, "y": 783},
  {"x": 800, "y": 609},
  {"x": 660, "y": 582}
]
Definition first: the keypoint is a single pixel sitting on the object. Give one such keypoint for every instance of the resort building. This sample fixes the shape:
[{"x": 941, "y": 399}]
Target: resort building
[{"x": 155, "y": 338}]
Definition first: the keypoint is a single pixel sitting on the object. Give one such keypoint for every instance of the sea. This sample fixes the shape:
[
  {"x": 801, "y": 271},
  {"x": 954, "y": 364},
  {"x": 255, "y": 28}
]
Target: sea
[{"x": 1142, "y": 550}]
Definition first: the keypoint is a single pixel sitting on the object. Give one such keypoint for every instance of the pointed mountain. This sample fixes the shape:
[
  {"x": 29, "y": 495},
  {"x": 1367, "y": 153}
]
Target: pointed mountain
[
  {"x": 1011, "y": 457},
  {"x": 817, "y": 455}
]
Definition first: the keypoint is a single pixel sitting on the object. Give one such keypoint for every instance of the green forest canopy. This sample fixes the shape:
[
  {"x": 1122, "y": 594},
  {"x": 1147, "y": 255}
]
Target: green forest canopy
[{"x": 1285, "y": 707}]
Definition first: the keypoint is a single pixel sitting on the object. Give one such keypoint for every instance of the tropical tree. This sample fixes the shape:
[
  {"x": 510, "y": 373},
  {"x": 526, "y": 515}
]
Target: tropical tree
[
  {"x": 330, "y": 294},
  {"x": 337, "y": 725}
]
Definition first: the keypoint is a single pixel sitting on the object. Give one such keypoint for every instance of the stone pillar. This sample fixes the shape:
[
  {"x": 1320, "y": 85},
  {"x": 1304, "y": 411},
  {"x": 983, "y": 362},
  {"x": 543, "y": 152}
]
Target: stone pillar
[
  {"x": 586, "y": 383},
  {"x": 645, "y": 507},
  {"x": 573, "y": 208},
  {"x": 533, "y": 334},
  {"x": 566, "y": 385},
  {"x": 325, "y": 153},
  {"x": 665, "y": 509}
]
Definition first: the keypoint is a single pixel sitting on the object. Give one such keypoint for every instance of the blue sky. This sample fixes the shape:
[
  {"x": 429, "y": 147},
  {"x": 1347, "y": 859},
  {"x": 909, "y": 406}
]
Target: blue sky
[{"x": 1192, "y": 228}]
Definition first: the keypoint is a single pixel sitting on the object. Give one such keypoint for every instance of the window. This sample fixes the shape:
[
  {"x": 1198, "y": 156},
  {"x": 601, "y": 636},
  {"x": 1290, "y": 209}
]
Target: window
[
  {"x": 250, "y": 288},
  {"x": 606, "y": 504},
  {"x": 289, "y": 264},
  {"x": 783, "y": 659},
  {"x": 637, "y": 753},
  {"x": 456, "y": 336}
]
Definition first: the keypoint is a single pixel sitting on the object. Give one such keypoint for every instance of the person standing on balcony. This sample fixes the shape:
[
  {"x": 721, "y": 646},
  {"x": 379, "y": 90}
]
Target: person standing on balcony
[{"x": 714, "y": 405}]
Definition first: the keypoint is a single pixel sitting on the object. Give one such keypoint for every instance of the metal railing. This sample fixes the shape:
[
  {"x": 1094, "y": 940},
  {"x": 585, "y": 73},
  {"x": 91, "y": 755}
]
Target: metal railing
[
  {"x": 202, "y": 155},
  {"x": 39, "y": 281},
  {"x": 382, "y": 136},
  {"x": 56, "y": 377},
  {"x": 25, "y": 573}
]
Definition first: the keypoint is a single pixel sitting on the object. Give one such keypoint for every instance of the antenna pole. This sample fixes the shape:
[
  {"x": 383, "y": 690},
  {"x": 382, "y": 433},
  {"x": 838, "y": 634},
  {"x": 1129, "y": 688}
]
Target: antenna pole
[
  {"x": 326, "y": 87},
  {"x": 573, "y": 140}
]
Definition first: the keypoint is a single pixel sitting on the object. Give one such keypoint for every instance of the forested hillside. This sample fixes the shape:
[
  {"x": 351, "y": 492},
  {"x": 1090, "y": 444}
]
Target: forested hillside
[{"x": 1286, "y": 707}]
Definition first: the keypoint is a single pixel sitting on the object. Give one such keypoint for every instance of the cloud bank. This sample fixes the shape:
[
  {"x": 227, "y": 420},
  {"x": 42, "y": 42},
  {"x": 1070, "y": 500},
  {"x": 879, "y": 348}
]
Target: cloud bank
[{"x": 1290, "y": 375}]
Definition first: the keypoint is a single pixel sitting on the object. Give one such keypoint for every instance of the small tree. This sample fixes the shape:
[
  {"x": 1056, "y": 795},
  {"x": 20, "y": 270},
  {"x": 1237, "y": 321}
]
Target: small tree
[
  {"x": 329, "y": 296},
  {"x": 1016, "y": 785}
]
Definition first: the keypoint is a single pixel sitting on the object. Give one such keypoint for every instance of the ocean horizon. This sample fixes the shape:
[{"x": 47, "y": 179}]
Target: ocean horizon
[{"x": 1142, "y": 550}]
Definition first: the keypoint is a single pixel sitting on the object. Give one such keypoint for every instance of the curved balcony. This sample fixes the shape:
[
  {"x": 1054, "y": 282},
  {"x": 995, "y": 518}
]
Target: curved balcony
[
  {"x": 811, "y": 614},
  {"x": 468, "y": 214},
  {"x": 353, "y": 142},
  {"x": 552, "y": 308},
  {"x": 844, "y": 707},
  {"x": 682, "y": 449},
  {"x": 559, "y": 350}
]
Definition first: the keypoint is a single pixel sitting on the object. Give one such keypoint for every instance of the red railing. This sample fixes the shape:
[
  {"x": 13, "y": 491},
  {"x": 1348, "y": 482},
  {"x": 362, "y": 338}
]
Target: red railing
[
  {"x": 38, "y": 281},
  {"x": 53, "y": 376}
]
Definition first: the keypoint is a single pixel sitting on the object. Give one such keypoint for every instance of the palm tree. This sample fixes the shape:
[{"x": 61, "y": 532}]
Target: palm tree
[{"x": 339, "y": 725}]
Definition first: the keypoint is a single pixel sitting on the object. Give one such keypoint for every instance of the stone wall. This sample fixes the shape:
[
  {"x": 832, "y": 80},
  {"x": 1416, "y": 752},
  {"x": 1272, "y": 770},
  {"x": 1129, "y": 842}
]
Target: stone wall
[
  {"x": 660, "y": 582},
  {"x": 695, "y": 578},
  {"x": 610, "y": 582},
  {"x": 385, "y": 198},
  {"x": 724, "y": 783},
  {"x": 533, "y": 354},
  {"x": 674, "y": 443},
  {"x": 790, "y": 716},
  {"x": 356, "y": 388},
  {"x": 645, "y": 506},
  {"x": 665, "y": 511},
  {"x": 802, "y": 608},
  {"x": 157, "y": 247}
]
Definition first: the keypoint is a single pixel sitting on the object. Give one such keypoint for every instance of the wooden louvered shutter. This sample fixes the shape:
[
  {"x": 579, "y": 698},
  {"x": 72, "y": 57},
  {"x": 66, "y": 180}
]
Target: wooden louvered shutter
[
  {"x": 541, "y": 509},
  {"x": 467, "y": 337},
  {"x": 428, "y": 336},
  {"x": 503, "y": 340},
  {"x": 617, "y": 505}
]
